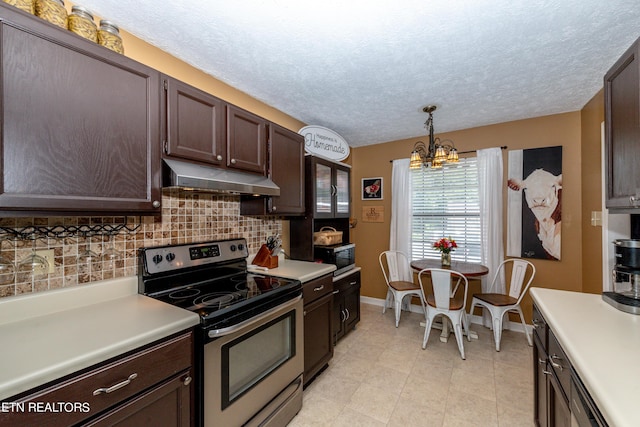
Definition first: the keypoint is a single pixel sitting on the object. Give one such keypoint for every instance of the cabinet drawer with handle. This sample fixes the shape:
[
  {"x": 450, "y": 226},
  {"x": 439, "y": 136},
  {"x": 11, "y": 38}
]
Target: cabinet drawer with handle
[
  {"x": 85, "y": 395},
  {"x": 539, "y": 326},
  {"x": 317, "y": 288},
  {"x": 559, "y": 363}
]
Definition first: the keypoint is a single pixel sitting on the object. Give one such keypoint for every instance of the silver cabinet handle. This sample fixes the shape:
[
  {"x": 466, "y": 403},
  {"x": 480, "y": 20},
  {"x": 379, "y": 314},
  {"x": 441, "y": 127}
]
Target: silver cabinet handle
[
  {"x": 273, "y": 209},
  {"x": 352, "y": 283},
  {"x": 115, "y": 387},
  {"x": 155, "y": 204},
  {"x": 336, "y": 292},
  {"x": 546, "y": 372},
  {"x": 219, "y": 157},
  {"x": 536, "y": 323},
  {"x": 233, "y": 161},
  {"x": 343, "y": 316},
  {"x": 553, "y": 362},
  {"x": 634, "y": 200},
  {"x": 348, "y": 314},
  {"x": 319, "y": 288},
  {"x": 542, "y": 361},
  {"x": 187, "y": 380}
]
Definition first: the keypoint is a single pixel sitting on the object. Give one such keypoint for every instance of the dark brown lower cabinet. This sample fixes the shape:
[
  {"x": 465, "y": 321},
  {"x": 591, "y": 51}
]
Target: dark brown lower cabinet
[
  {"x": 539, "y": 382},
  {"x": 552, "y": 377},
  {"x": 318, "y": 331},
  {"x": 557, "y": 404},
  {"x": 151, "y": 386},
  {"x": 168, "y": 404},
  {"x": 346, "y": 304}
]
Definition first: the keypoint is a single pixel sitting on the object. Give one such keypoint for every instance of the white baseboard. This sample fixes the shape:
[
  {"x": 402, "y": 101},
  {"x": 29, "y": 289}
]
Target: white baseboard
[{"x": 414, "y": 308}]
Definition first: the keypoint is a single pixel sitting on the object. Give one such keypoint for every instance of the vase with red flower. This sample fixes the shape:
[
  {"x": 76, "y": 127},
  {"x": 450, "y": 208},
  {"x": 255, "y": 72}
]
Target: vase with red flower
[{"x": 445, "y": 246}]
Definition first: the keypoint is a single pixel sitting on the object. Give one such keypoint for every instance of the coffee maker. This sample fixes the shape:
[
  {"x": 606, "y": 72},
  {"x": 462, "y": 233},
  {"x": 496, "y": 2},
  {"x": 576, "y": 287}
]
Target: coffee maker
[{"x": 625, "y": 277}]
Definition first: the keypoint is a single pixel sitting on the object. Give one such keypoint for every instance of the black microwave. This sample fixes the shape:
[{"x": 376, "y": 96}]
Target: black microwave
[{"x": 343, "y": 256}]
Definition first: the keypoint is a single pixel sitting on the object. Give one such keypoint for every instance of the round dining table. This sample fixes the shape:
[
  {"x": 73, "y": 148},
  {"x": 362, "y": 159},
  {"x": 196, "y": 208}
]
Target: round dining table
[
  {"x": 470, "y": 270},
  {"x": 467, "y": 269}
]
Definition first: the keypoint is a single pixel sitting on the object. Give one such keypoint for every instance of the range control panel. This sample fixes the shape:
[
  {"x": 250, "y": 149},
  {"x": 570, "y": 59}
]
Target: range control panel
[{"x": 162, "y": 259}]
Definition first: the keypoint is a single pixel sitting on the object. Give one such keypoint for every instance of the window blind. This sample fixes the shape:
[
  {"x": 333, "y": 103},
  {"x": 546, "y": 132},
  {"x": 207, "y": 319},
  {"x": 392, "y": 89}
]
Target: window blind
[{"x": 446, "y": 204}]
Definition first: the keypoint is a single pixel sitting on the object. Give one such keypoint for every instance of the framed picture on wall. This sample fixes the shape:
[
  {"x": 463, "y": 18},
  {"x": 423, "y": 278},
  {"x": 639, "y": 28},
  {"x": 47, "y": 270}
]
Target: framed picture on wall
[
  {"x": 372, "y": 188},
  {"x": 534, "y": 223}
]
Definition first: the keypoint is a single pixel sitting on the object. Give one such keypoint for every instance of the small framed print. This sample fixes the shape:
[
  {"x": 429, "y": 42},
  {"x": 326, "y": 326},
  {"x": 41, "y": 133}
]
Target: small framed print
[{"x": 372, "y": 188}]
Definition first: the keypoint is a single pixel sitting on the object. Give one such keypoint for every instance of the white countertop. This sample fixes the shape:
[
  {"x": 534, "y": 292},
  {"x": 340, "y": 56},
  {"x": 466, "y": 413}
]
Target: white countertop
[
  {"x": 47, "y": 335},
  {"x": 292, "y": 269},
  {"x": 603, "y": 344}
]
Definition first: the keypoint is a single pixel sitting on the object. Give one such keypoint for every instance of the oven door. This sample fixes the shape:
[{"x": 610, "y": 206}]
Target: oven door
[
  {"x": 252, "y": 372},
  {"x": 584, "y": 412}
]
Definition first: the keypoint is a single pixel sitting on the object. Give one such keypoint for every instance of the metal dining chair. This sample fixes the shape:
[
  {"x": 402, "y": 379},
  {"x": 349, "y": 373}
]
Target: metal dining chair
[
  {"x": 445, "y": 301},
  {"x": 499, "y": 304},
  {"x": 396, "y": 270}
]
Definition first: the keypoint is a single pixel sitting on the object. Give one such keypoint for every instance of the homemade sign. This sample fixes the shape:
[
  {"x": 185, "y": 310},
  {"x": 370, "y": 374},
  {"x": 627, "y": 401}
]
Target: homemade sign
[
  {"x": 373, "y": 214},
  {"x": 324, "y": 142}
]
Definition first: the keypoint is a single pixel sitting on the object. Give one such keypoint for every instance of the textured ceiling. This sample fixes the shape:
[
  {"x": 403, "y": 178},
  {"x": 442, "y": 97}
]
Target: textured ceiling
[{"x": 365, "y": 69}]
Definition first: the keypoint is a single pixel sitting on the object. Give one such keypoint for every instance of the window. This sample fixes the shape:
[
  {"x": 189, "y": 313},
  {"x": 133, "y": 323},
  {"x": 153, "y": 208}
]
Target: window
[{"x": 446, "y": 204}]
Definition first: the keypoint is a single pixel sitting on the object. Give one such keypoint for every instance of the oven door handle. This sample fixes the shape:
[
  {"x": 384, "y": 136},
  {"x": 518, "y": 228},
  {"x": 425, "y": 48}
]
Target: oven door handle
[{"x": 217, "y": 333}]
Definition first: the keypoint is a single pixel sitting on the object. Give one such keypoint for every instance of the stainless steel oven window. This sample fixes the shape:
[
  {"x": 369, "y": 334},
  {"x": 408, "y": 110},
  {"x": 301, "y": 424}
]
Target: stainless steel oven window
[{"x": 252, "y": 357}]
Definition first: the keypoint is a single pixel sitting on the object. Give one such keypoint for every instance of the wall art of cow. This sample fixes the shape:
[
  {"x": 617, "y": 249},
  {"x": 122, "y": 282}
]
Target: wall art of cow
[{"x": 543, "y": 194}]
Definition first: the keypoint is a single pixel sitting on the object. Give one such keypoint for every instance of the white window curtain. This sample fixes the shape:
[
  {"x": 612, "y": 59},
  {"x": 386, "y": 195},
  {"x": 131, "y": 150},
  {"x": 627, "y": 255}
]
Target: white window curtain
[
  {"x": 400, "y": 232},
  {"x": 490, "y": 191}
]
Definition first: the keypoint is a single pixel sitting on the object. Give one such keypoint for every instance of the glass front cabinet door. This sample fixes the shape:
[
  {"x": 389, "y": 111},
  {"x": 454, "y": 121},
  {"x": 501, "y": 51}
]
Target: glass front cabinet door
[
  {"x": 331, "y": 195},
  {"x": 323, "y": 190}
]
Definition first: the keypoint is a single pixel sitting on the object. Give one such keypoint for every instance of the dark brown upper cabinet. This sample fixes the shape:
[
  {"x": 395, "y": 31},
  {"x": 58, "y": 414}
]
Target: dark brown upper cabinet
[
  {"x": 80, "y": 124},
  {"x": 246, "y": 141},
  {"x": 328, "y": 188},
  {"x": 286, "y": 169},
  {"x": 622, "y": 132},
  {"x": 200, "y": 127},
  {"x": 195, "y": 126}
]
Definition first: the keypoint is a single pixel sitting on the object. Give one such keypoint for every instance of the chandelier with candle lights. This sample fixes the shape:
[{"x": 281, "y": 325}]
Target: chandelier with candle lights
[{"x": 437, "y": 153}]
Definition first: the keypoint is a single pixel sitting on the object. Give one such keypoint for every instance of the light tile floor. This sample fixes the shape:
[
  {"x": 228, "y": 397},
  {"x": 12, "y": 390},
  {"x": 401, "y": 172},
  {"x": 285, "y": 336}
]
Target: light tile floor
[{"x": 380, "y": 376}]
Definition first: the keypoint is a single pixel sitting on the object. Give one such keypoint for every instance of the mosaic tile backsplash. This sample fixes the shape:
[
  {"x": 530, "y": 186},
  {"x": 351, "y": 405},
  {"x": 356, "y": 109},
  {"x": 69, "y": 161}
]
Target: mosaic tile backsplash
[{"x": 186, "y": 218}]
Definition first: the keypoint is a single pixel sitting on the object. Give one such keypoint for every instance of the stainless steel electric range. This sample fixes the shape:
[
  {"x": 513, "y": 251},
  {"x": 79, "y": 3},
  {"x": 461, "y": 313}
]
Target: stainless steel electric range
[{"x": 249, "y": 344}]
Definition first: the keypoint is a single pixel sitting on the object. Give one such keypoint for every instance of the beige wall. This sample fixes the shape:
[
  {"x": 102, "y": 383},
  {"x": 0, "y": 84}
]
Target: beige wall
[
  {"x": 592, "y": 115},
  {"x": 560, "y": 129}
]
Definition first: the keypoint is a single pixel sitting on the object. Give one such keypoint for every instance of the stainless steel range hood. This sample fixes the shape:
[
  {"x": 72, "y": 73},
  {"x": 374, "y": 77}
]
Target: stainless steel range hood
[{"x": 191, "y": 176}]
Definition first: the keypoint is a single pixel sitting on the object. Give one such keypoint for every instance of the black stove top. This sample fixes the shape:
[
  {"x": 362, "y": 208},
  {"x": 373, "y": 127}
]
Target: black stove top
[
  {"x": 211, "y": 279},
  {"x": 209, "y": 298}
]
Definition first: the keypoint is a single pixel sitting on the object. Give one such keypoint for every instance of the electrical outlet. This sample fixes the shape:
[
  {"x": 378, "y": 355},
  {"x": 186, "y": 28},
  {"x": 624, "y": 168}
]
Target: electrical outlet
[{"x": 48, "y": 255}]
